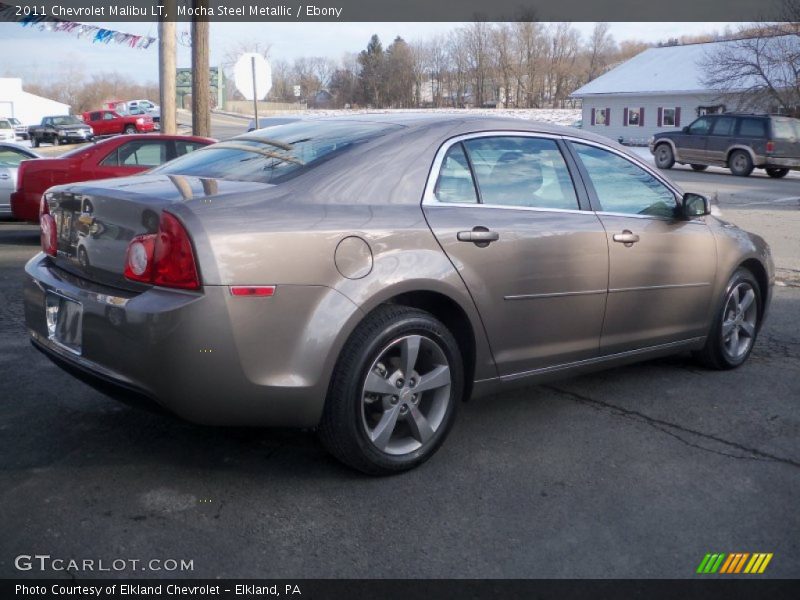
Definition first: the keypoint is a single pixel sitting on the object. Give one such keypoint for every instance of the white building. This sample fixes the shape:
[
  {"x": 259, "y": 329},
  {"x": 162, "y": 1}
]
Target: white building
[
  {"x": 28, "y": 108},
  {"x": 660, "y": 89}
]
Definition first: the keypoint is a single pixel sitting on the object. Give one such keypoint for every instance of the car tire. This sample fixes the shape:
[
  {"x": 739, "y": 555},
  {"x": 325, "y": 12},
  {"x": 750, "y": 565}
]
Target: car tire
[
  {"x": 736, "y": 323},
  {"x": 392, "y": 429},
  {"x": 129, "y": 130},
  {"x": 665, "y": 158},
  {"x": 740, "y": 163},
  {"x": 699, "y": 167},
  {"x": 777, "y": 173}
]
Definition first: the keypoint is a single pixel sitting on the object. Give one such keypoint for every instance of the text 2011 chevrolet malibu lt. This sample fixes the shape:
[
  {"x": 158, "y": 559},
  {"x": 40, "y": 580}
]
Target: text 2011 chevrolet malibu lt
[{"x": 362, "y": 276}]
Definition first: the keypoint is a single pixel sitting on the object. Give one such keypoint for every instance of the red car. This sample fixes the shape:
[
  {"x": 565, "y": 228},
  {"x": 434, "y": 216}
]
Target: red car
[
  {"x": 108, "y": 122},
  {"x": 115, "y": 157}
]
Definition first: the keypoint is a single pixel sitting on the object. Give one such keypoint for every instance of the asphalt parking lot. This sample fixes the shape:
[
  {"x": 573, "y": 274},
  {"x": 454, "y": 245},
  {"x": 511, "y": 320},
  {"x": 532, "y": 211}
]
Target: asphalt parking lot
[{"x": 633, "y": 472}]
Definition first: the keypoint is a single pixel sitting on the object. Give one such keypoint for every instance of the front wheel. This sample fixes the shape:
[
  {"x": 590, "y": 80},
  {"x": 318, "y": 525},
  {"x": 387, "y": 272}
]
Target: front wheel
[
  {"x": 736, "y": 324},
  {"x": 394, "y": 392},
  {"x": 777, "y": 173},
  {"x": 130, "y": 129},
  {"x": 665, "y": 159}
]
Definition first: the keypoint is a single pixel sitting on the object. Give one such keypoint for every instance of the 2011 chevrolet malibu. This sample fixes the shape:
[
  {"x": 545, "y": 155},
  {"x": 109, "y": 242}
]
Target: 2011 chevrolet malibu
[{"x": 362, "y": 276}]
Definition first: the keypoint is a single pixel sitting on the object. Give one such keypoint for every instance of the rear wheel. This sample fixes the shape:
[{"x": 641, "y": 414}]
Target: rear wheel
[
  {"x": 777, "y": 173},
  {"x": 736, "y": 324},
  {"x": 394, "y": 392},
  {"x": 129, "y": 129},
  {"x": 665, "y": 159},
  {"x": 699, "y": 167},
  {"x": 740, "y": 163}
]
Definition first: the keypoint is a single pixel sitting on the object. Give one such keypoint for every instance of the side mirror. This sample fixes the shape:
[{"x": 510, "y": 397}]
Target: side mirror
[{"x": 694, "y": 205}]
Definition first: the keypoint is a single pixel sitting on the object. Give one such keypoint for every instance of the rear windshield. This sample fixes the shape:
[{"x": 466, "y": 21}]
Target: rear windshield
[
  {"x": 786, "y": 129},
  {"x": 278, "y": 153}
]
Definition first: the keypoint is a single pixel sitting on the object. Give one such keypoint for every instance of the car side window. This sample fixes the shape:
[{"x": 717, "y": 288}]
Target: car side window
[
  {"x": 700, "y": 126},
  {"x": 137, "y": 154},
  {"x": 182, "y": 147},
  {"x": 455, "y": 184},
  {"x": 521, "y": 171},
  {"x": 108, "y": 116},
  {"x": 624, "y": 187},
  {"x": 724, "y": 126},
  {"x": 753, "y": 128},
  {"x": 11, "y": 158}
]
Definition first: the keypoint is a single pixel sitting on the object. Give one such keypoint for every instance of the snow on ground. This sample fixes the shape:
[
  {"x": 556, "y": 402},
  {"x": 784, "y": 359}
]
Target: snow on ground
[{"x": 556, "y": 116}]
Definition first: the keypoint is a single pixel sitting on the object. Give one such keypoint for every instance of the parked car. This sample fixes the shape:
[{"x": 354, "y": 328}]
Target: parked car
[
  {"x": 264, "y": 122},
  {"x": 109, "y": 122},
  {"x": 20, "y": 129},
  {"x": 11, "y": 155},
  {"x": 740, "y": 142},
  {"x": 115, "y": 157},
  {"x": 60, "y": 130},
  {"x": 7, "y": 133},
  {"x": 363, "y": 276}
]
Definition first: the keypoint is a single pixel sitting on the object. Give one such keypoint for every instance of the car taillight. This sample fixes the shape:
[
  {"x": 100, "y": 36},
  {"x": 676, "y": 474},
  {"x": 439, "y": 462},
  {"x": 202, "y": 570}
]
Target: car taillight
[
  {"x": 165, "y": 258},
  {"x": 770, "y": 146},
  {"x": 47, "y": 225}
]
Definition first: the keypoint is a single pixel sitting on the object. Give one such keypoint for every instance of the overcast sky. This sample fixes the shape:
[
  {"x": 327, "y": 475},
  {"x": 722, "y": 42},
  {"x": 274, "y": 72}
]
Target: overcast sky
[{"x": 36, "y": 55}]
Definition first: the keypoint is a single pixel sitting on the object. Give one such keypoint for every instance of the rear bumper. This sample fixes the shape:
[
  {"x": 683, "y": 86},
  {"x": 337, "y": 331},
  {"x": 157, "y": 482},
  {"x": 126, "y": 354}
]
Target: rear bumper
[
  {"x": 208, "y": 357},
  {"x": 781, "y": 163},
  {"x": 25, "y": 206}
]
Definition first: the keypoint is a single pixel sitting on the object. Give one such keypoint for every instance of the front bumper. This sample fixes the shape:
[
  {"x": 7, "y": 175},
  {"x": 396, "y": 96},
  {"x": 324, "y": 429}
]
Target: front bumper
[
  {"x": 209, "y": 357},
  {"x": 76, "y": 136}
]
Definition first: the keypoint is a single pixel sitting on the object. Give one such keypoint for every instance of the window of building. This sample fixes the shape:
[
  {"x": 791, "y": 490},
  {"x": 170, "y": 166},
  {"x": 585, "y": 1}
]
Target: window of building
[
  {"x": 635, "y": 116},
  {"x": 710, "y": 110},
  {"x": 668, "y": 117},
  {"x": 601, "y": 116}
]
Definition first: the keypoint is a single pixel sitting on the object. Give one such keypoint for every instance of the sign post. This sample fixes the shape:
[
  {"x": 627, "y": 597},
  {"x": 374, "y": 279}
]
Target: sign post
[{"x": 253, "y": 78}]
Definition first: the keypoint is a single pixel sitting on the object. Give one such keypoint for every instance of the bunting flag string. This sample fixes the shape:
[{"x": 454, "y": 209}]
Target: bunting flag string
[{"x": 91, "y": 32}]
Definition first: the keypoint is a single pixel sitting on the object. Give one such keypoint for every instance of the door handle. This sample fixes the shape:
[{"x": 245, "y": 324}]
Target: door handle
[
  {"x": 480, "y": 236},
  {"x": 626, "y": 237}
]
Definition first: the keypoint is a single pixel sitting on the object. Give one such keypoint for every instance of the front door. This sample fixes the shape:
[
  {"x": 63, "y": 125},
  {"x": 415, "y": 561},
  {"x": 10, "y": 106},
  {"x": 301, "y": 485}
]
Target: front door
[
  {"x": 692, "y": 144},
  {"x": 506, "y": 212},
  {"x": 661, "y": 267}
]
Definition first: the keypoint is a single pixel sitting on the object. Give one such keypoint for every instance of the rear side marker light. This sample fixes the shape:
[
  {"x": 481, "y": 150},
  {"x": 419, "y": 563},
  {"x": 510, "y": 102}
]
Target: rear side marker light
[{"x": 252, "y": 290}]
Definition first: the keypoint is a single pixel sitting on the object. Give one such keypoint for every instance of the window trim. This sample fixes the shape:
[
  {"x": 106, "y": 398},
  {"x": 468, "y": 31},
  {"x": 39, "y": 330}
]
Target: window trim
[
  {"x": 595, "y": 201},
  {"x": 581, "y": 194}
]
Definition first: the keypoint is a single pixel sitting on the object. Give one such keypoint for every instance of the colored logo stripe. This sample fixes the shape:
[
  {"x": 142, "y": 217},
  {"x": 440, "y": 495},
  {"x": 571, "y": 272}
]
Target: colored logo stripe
[{"x": 734, "y": 563}]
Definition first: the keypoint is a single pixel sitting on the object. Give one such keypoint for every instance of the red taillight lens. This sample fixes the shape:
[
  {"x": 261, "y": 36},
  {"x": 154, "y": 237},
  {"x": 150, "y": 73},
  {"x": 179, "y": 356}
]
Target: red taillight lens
[
  {"x": 47, "y": 225},
  {"x": 165, "y": 258},
  {"x": 770, "y": 146}
]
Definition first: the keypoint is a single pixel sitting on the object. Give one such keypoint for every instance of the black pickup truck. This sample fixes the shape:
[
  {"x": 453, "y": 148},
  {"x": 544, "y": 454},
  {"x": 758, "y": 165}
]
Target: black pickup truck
[{"x": 60, "y": 130}]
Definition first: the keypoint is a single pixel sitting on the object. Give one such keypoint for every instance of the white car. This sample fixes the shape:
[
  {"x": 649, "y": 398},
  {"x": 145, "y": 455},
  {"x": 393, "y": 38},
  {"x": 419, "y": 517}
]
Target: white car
[
  {"x": 7, "y": 133},
  {"x": 10, "y": 157}
]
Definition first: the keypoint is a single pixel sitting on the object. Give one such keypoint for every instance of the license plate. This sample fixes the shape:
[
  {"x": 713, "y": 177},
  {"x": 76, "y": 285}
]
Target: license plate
[{"x": 64, "y": 322}]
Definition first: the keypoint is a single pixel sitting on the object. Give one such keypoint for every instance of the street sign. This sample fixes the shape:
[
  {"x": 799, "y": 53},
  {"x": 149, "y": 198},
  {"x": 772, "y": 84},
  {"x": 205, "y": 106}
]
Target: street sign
[{"x": 252, "y": 73}]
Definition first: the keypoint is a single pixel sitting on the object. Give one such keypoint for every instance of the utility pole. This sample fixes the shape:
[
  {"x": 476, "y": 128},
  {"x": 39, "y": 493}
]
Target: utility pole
[
  {"x": 201, "y": 67},
  {"x": 167, "y": 69}
]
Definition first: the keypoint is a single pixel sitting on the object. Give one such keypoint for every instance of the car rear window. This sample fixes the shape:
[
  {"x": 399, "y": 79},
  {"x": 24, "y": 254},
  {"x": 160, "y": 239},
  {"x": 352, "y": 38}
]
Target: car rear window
[
  {"x": 279, "y": 154},
  {"x": 786, "y": 129},
  {"x": 753, "y": 128}
]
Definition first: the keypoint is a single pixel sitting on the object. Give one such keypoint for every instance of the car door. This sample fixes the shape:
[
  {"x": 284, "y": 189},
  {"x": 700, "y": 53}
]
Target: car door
[
  {"x": 9, "y": 164},
  {"x": 520, "y": 233},
  {"x": 661, "y": 267},
  {"x": 133, "y": 157},
  {"x": 693, "y": 143},
  {"x": 721, "y": 137}
]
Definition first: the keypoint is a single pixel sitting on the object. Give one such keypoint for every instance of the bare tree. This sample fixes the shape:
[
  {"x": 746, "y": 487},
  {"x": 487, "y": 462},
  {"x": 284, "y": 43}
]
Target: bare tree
[
  {"x": 757, "y": 73},
  {"x": 600, "y": 51}
]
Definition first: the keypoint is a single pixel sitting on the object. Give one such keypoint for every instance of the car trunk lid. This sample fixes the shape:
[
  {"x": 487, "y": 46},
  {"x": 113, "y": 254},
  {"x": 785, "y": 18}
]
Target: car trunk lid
[{"x": 95, "y": 221}]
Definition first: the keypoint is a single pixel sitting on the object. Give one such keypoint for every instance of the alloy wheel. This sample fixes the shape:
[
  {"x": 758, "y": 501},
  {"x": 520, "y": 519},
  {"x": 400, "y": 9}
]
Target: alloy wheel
[
  {"x": 405, "y": 395},
  {"x": 739, "y": 320}
]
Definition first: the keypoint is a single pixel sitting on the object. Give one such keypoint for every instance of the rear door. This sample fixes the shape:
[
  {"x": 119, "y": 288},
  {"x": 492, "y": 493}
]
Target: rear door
[
  {"x": 720, "y": 139},
  {"x": 132, "y": 157},
  {"x": 507, "y": 213}
]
